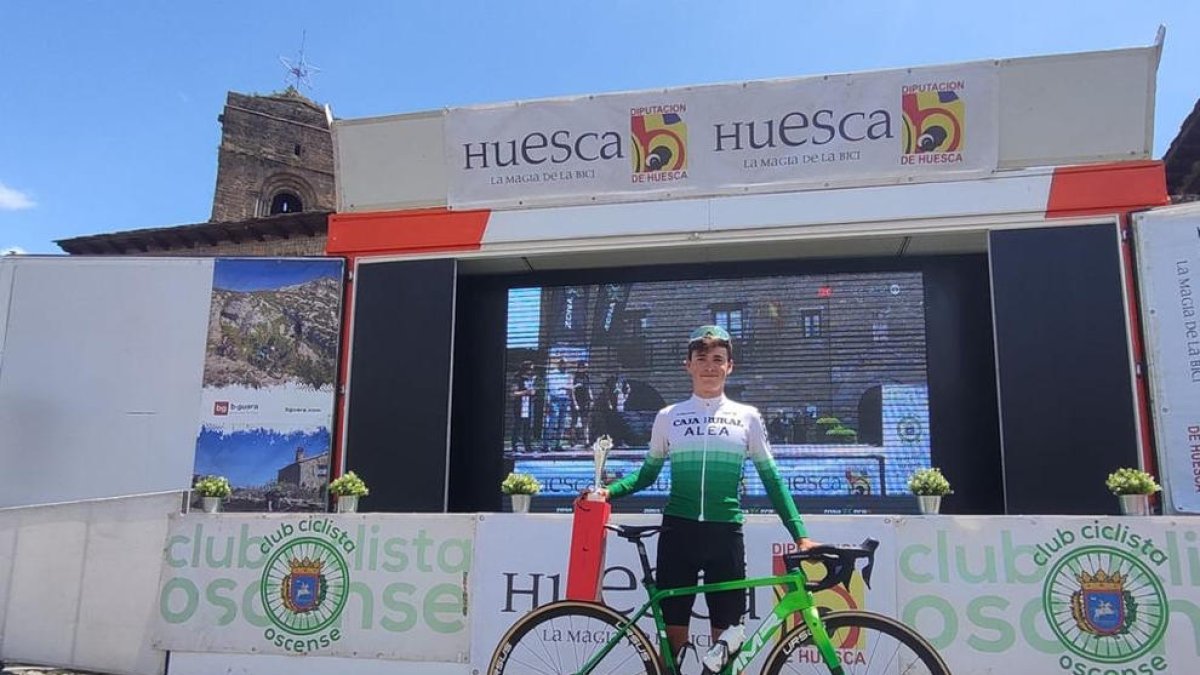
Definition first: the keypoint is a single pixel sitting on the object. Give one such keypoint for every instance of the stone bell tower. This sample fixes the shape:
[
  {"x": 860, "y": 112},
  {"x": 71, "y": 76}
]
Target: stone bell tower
[{"x": 276, "y": 157}]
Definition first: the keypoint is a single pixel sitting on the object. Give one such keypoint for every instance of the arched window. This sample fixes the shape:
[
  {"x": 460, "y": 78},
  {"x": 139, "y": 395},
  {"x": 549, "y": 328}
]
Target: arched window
[{"x": 286, "y": 202}]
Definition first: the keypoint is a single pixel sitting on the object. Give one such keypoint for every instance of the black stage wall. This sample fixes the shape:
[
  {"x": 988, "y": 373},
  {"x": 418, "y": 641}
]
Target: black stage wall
[
  {"x": 1066, "y": 393},
  {"x": 397, "y": 422},
  {"x": 960, "y": 362}
]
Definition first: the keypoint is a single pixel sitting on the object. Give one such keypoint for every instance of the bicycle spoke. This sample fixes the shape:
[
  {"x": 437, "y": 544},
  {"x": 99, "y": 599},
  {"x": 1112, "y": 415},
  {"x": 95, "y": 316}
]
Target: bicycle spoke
[
  {"x": 562, "y": 639},
  {"x": 880, "y": 646}
]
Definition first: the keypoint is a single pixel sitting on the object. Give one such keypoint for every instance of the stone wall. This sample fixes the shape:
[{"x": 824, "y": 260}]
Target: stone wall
[{"x": 276, "y": 247}]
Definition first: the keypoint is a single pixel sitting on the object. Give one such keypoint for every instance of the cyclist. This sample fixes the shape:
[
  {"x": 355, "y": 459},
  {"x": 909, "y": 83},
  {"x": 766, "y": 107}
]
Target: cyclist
[{"x": 707, "y": 438}]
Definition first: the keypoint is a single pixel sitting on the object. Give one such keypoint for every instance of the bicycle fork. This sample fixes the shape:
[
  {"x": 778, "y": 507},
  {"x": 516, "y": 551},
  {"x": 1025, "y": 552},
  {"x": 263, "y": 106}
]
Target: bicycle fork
[{"x": 821, "y": 640}]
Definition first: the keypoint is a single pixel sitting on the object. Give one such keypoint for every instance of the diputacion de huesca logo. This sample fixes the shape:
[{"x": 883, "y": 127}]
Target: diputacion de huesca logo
[
  {"x": 935, "y": 116},
  {"x": 659, "y": 143}
]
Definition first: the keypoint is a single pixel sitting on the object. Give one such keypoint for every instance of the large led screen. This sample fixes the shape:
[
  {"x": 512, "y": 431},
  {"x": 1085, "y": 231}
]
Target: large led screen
[{"x": 835, "y": 363}]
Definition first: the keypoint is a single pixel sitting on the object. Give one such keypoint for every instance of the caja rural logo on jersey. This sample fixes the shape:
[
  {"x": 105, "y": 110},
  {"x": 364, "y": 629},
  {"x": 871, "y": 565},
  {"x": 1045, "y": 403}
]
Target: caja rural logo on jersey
[
  {"x": 305, "y": 583},
  {"x": 1103, "y": 599},
  {"x": 934, "y": 123}
]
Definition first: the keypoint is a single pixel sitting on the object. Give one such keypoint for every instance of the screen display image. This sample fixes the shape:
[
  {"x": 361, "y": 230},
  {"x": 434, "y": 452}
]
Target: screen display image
[{"x": 835, "y": 363}]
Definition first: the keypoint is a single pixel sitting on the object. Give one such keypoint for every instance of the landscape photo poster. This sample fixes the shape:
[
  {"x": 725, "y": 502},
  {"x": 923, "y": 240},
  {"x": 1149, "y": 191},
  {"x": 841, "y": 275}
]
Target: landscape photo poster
[{"x": 269, "y": 372}]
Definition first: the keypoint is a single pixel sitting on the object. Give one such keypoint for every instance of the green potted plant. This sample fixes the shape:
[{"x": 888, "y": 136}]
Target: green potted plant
[
  {"x": 929, "y": 485},
  {"x": 212, "y": 489},
  {"x": 841, "y": 434},
  {"x": 1133, "y": 487},
  {"x": 825, "y": 425},
  {"x": 348, "y": 487},
  {"x": 520, "y": 487}
]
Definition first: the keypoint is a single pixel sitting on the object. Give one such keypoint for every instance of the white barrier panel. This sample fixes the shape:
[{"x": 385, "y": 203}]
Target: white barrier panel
[
  {"x": 79, "y": 587},
  {"x": 8, "y": 556},
  {"x": 370, "y": 586},
  {"x": 1103, "y": 596},
  {"x": 187, "y": 663},
  {"x": 77, "y": 583},
  {"x": 521, "y": 563}
]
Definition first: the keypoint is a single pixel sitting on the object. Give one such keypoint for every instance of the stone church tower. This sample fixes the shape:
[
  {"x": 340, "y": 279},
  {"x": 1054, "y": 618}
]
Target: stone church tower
[
  {"x": 274, "y": 194},
  {"x": 276, "y": 157}
]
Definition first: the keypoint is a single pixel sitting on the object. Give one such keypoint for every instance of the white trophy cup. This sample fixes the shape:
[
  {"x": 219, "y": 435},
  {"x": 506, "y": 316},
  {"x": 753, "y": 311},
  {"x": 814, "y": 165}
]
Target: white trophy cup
[{"x": 599, "y": 456}]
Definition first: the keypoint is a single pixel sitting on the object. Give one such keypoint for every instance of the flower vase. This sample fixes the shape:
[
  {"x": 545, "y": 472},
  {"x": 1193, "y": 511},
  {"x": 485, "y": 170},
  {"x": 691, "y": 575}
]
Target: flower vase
[
  {"x": 1135, "y": 505},
  {"x": 520, "y": 503},
  {"x": 211, "y": 504},
  {"x": 929, "y": 505},
  {"x": 347, "y": 503}
]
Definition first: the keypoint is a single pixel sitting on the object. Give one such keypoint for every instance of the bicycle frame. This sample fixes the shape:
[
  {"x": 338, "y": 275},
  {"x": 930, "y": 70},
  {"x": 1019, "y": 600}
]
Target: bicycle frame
[{"x": 797, "y": 600}]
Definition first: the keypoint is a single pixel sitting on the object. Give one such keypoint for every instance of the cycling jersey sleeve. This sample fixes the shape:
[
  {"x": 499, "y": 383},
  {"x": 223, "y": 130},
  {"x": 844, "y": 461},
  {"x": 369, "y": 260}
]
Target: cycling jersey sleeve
[
  {"x": 651, "y": 466},
  {"x": 764, "y": 463}
]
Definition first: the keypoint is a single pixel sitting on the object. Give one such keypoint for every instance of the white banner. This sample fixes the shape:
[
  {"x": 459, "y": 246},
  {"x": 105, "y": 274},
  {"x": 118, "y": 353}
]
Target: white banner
[
  {"x": 1053, "y": 595},
  {"x": 374, "y": 586},
  {"x": 1168, "y": 264},
  {"x": 507, "y": 584},
  {"x": 884, "y": 127}
]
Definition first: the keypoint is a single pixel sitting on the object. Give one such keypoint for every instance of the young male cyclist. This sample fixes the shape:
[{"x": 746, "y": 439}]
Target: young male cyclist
[{"x": 707, "y": 438}]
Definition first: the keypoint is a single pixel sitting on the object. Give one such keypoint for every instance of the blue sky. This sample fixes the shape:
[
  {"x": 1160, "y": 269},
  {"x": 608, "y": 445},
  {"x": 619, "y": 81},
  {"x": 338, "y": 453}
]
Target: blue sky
[
  {"x": 108, "y": 111},
  {"x": 257, "y": 275}
]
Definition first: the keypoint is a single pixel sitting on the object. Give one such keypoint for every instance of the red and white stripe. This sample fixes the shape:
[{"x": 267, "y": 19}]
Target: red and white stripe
[{"x": 1035, "y": 194}]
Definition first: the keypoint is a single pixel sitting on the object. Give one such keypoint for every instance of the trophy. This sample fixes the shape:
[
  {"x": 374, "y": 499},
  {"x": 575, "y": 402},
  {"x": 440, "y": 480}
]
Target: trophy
[{"x": 600, "y": 451}]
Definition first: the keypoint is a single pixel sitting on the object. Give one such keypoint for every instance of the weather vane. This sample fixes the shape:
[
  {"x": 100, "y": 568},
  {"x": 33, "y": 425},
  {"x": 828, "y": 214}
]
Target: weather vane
[{"x": 300, "y": 72}]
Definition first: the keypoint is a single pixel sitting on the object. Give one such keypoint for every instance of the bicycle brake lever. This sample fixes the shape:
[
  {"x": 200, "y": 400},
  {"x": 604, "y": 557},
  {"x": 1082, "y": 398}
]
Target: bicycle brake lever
[
  {"x": 866, "y": 573},
  {"x": 869, "y": 545}
]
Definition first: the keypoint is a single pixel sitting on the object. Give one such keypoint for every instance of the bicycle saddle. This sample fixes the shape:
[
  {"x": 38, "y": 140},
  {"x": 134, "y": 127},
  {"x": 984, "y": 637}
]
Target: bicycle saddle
[{"x": 635, "y": 532}]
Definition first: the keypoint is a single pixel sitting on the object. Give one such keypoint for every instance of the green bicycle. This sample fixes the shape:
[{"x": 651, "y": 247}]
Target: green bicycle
[{"x": 578, "y": 638}]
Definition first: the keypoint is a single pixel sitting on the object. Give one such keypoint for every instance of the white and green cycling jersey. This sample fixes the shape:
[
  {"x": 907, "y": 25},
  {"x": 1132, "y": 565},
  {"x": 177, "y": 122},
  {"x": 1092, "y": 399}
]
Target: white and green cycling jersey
[{"x": 707, "y": 441}]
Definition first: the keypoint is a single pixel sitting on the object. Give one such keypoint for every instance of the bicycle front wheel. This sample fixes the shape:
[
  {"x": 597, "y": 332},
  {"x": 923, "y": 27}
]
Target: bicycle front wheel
[
  {"x": 559, "y": 638},
  {"x": 866, "y": 644}
]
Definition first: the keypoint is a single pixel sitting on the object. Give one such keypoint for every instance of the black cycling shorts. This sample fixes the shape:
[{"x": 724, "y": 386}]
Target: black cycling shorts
[{"x": 687, "y": 547}]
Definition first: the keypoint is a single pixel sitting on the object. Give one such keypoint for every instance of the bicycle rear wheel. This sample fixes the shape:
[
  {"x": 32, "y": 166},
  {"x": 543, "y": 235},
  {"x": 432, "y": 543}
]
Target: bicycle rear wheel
[
  {"x": 557, "y": 639},
  {"x": 866, "y": 643}
]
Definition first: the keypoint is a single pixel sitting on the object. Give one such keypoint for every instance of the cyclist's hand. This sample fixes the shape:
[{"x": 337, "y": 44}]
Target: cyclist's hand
[
  {"x": 601, "y": 494},
  {"x": 804, "y": 543}
]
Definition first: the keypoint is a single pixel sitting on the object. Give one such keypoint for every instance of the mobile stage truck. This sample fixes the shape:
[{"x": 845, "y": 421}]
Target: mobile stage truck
[{"x": 920, "y": 267}]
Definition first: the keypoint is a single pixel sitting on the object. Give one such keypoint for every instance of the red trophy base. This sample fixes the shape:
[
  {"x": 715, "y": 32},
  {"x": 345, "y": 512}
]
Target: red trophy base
[{"x": 586, "y": 568}]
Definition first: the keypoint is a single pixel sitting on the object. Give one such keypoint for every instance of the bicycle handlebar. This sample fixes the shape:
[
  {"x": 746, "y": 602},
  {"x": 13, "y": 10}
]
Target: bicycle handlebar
[{"x": 839, "y": 563}]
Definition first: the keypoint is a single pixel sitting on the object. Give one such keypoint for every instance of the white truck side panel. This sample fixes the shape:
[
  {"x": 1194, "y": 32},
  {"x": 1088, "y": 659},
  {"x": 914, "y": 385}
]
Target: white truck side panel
[
  {"x": 101, "y": 377},
  {"x": 396, "y": 162},
  {"x": 7, "y": 265},
  {"x": 1077, "y": 108},
  {"x": 1168, "y": 259}
]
